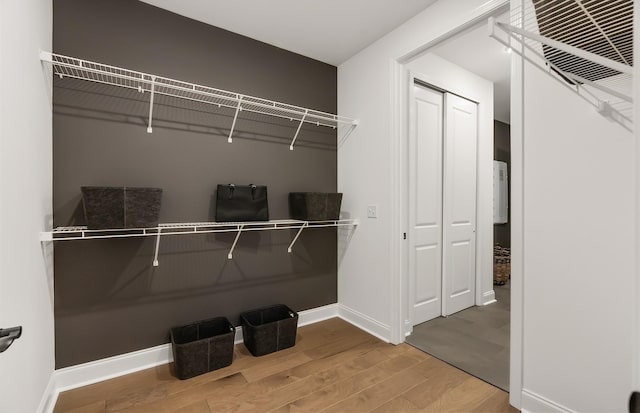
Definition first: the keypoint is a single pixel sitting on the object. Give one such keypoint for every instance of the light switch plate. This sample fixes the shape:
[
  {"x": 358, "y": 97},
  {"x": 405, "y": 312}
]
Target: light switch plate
[{"x": 372, "y": 211}]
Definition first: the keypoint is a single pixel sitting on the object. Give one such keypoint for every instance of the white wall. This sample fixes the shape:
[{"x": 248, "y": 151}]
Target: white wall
[
  {"x": 368, "y": 274},
  {"x": 573, "y": 283},
  {"x": 578, "y": 251},
  {"x": 441, "y": 73},
  {"x": 636, "y": 115},
  {"x": 26, "y": 284}
]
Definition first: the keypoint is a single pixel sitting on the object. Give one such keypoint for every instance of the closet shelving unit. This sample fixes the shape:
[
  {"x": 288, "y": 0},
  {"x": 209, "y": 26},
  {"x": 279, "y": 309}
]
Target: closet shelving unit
[
  {"x": 587, "y": 45},
  {"x": 75, "y": 68},
  {"x": 82, "y": 233},
  {"x": 72, "y": 67}
]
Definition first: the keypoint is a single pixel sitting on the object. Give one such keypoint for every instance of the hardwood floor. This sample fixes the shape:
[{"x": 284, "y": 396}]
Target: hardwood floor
[{"x": 334, "y": 367}]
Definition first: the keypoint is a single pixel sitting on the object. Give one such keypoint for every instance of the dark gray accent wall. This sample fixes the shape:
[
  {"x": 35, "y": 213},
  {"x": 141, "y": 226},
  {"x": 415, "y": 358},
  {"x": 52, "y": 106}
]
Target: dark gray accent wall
[
  {"x": 109, "y": 299},
  {"x": 502, "y": 152}
]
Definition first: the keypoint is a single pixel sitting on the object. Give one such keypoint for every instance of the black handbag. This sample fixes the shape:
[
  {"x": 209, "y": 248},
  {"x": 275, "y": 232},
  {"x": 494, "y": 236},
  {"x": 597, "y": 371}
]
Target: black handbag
[{"x": 237, "y": 203}]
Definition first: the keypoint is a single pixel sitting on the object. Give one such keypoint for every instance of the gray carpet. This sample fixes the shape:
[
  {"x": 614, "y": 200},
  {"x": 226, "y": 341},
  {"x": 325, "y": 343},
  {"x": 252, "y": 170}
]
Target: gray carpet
[{"x": 475, "y": 340}]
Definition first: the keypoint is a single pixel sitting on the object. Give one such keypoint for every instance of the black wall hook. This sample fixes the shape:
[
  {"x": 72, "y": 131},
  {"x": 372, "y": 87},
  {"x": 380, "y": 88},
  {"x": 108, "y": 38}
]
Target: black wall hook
[{"x": 634, "y": 402}]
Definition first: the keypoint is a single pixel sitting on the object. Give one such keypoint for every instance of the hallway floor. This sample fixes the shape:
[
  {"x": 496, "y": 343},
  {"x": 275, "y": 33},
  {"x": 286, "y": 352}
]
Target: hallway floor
[{"x": 475, "y": 340}]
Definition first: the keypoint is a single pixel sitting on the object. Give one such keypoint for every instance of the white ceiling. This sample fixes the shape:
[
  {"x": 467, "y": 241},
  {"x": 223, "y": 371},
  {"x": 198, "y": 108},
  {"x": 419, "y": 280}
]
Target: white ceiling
[
  {"x": 329, "y": 30},
  {"x": 475, "y": 51}
]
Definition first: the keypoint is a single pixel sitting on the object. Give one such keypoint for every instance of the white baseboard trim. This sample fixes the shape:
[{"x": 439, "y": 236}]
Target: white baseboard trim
[
  {"x": 317, "y": 314},
  {"x": 408, "y": 328},
  {"x": 50, "y": 396},
  {"x": 364, "y": 322},
  {"x": 489, "y": 297},
  {"x": 534, "y": 403},
  {"x": 108, "y": 368}
]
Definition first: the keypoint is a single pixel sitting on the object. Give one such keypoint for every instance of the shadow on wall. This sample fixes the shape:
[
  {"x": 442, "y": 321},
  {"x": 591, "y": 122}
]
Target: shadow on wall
[
  {"x": 127, "y": 277},
  {"x": 89, "y": 100}
]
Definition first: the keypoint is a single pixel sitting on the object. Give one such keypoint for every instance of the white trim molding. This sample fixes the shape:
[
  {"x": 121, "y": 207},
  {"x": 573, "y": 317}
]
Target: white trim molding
[
  {"x": 516, "y": 339},
  {"x": 534, "y": 403},
  {"x": 364, "y": 322},
  {"x": 636, "y": 117},
  {"x": 489, "y": 297},
  {"x": 49, "y": 397},
  {"x": 108, "y": 368},
  {"x": 315, "y": 315}
]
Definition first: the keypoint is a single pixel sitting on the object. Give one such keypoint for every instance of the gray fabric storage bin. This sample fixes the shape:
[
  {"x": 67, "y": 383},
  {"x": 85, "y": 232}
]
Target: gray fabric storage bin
[
  {"x": 270, "y": 329},
  {"x": 315, "y": 206},
  {"x": 202, "y": 347},
  {"x": 108, "y": 207}
]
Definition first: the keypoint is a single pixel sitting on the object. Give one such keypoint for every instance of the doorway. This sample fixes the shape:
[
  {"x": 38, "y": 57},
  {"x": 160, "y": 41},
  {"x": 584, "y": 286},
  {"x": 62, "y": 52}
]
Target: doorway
[{"x": 475, "y": 339}]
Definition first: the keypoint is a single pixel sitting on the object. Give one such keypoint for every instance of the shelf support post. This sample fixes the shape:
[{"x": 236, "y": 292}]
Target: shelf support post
[
  {"x": 155, "y": 256},
  {"x": 306, "y": 111},
  {"x": 235, "y": 118},
  {"x": 153, "y": 90},
  {"x": 306, "y": 224},
  {"x": 233, "y": 246},
  {"x": 350, "y": 129}
]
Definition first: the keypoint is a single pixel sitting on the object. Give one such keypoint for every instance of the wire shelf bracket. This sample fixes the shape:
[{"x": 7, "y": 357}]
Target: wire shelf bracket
[
  {"x": 235, "y": 241},
  {"x": 157, "y": 249},
  {"x": 71, "y": 67},
  {"x": 82, "y": 233},
  {"x": 586, "y": 46},
  {"x": 289, "y": 249},
  {"x": 235, "y": 119},
  {"x": 306, "y": 112},
  {"x": 153, "y": 89}
]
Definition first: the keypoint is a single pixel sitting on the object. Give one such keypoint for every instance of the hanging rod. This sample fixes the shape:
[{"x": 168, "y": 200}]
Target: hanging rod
[{"x": 66, "y": 66}]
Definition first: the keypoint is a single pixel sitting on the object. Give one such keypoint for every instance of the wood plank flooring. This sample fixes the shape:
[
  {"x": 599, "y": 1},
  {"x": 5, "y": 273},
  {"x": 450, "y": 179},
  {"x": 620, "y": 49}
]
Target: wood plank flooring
[{"x": 334, "y": 367}]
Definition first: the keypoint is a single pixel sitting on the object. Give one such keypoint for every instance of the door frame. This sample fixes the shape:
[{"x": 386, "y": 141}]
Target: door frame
[
  {"x": 636, "y": 133},
  {"x": 417, "y": 78},
  {"x": 400, "y": 302}
]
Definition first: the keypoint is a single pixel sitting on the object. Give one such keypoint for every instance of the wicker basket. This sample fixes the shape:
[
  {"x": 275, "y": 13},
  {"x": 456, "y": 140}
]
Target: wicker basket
[
  {"x": 315, "y": 206},
  {"x": 501, "y": 265},
  {"x": 107, "y": 207},
  {"x": 202, "y": 347},
  {"x": 270, "y": 329}
]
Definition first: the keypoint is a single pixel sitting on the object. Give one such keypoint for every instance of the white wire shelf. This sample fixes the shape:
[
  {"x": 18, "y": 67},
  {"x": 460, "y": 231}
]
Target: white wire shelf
[
  {"x": 587, "y": 45},
  {"x": 82, "y": 233},
  {"x": 72, "y": 67}
]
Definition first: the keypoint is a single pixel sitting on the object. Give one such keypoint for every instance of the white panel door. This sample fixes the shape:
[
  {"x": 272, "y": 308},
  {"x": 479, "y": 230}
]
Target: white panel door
[
  {"x": 459, "y": 204},
  {"x": 425, "y": 203}
]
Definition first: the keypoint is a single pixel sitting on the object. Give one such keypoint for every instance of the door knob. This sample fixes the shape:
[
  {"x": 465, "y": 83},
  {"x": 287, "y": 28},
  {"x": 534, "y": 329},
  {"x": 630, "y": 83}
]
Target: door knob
[{"x": 8, "y": 335}]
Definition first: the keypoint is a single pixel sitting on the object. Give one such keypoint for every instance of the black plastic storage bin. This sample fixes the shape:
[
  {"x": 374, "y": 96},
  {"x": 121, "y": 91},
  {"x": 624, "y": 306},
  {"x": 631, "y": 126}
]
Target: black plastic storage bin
[
  {"x": 108, "y": 207},
  {"x": 270, "y": 329},
  {"x": 202, "y": 347},
  {"x": 315, "y": 206}
]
